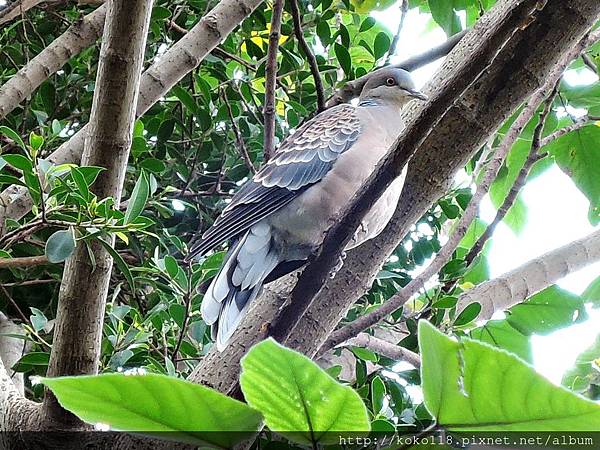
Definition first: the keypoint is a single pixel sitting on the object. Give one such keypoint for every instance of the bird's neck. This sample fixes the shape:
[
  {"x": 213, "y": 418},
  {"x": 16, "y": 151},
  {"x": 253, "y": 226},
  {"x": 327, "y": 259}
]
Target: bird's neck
[{"x": 374, "y": 102}]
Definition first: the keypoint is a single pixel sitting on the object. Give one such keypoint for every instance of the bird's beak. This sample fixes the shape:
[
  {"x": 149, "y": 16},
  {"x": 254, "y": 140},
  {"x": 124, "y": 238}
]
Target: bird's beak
[{"x": 419, "y": 95}]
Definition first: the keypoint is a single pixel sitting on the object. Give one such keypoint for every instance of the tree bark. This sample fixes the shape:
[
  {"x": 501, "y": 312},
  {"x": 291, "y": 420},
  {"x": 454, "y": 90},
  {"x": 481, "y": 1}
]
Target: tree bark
[
  {"x": 81, "y": 303},
  {"x": 78, "y": 37},
  {"x": 519, "y": 69},
  {"x": 185, "y": 55},
  {"x": 532, "y": 277}
]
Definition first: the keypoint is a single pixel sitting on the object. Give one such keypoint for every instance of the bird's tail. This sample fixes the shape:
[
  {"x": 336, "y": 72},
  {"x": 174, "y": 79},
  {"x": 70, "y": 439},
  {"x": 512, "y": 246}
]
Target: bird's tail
[{"x": 249, "y": 261}]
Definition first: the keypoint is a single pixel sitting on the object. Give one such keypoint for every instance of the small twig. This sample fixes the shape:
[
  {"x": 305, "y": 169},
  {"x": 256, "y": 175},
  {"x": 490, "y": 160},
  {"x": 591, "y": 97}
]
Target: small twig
[
  {"x": 14, "y": 304},
  {"x": 30, "y": 283},
  {"x": 271, "y": 79},
  {"x": 577, "y": 125},
  {"x": 385, "y": 348},
  {"x": 519, "y": 183},
  {"x": 392, "y": 50},
  {"x": 310, "y": 57},
  {"x": 238, "y": 136},
  {"x": 187, "y": 299}
]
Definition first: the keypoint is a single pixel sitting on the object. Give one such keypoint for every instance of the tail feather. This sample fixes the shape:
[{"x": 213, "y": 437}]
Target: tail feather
[{"x": 247, "y": 264}]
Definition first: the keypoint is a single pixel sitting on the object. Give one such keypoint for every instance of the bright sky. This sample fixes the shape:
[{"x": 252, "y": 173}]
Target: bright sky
[{"x": 557, "y": 212}]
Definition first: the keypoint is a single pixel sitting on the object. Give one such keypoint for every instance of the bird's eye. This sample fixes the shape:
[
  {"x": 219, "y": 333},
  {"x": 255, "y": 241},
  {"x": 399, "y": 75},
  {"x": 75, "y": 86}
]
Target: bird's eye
[{"x": 390, "y": 81}]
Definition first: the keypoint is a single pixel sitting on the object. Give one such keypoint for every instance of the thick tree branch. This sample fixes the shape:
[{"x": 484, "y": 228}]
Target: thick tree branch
[
  {"x": 26, "y": 261},
  {"x": 532, "y": 277},
  {"x": 269, "y": 112},
  {"x": 78, "y": 37},
  {"x": 20, "y": 7},
  {"x": 445, "y": 254},
  {"x": 352, "y": 88},
  {"x": 81, "y": 303},
  {"x": 519, "y": 69},
  {"x": 314, "y": 276},
  {"x": 310, "y": 56},
  {"x": 185, "y": 55}
]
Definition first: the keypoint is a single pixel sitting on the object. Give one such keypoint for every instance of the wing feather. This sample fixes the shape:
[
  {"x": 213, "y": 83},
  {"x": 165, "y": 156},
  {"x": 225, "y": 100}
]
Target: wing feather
[{"x": 302, "y": 160}]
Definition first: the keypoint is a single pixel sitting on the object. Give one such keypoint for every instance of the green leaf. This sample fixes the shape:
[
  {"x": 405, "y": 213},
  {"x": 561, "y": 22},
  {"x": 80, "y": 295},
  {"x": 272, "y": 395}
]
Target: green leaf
[
  {"x": 468, "y": 314},
  {"x": 443, "y": 13},
  {"x": 297, "y": 398},
  {"x": 186, "y": 98},
  {"x": 157, "y": 404},
  {"x": 13, "y": 135},
  {"x": 592, "y": 293},
  {"x": 377, "y": 394},
  {"x": 82, "y": 185},
  {"x": 120, "y": 262},
  {"x": 381, "y": 45},
  {"x": 19, "y": 161},
  {"x": 545, "y": 312},
  {"x": 471, "y": 386},
  {"x": 341, "y": 53},
  {"x": 367, "y": 24},
  {"x": 586, "y": 370},
  {"x": 138, "y": 199},
  {"x": 60, "y": 245},
  {"x": 35, "y": 141},
  {"x": 577, "y": 155}
]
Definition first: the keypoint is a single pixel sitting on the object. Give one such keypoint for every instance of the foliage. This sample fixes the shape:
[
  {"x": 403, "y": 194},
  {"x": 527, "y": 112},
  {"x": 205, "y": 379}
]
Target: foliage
[
  {"x": 296, "y": 398},
  {"x": 471, "y": 386},
  {"x": 185, "y": 164}
]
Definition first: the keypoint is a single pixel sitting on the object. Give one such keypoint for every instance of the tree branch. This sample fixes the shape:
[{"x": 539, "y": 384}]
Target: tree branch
[
  {"x": 26, "y": 261},
  {"x": 82, "y": 34},
  {"x": 352, "y": 88},
  {"x": 314, "y": 276},
  {"x": 157, "y": 80},
  {"x": 81, "y": 303},
  {"x": 532, "y": 277},
  {"x": 385, "y": 348},
  {"x": 445, "y": 254},
  {"x": 271, "y": 79},
  {"x": 310, "y": 57}
]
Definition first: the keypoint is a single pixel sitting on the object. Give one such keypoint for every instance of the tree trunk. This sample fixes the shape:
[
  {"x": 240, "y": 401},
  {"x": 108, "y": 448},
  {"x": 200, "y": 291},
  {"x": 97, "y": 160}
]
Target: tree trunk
[{"x": 84, "y": 287}]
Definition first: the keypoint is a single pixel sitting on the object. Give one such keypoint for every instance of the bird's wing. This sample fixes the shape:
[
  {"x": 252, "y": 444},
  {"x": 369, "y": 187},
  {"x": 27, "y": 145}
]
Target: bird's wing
[{"x": 302, "y": 160}]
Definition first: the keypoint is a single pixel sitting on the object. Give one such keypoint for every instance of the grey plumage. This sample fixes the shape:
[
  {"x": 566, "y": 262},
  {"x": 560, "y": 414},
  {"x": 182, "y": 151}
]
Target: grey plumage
[{"x": 279, "y": 217}]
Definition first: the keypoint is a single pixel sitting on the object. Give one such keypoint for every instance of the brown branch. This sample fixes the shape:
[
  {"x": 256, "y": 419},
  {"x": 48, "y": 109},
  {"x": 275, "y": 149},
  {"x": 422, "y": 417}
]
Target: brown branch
[
  {"x": 315, "y": 274},
  {"x": 396, "y": 38},
  {"x": 78, "y": 37},
  {"x": 589, "y": 62},
  {"x": 310, "y": 57},
  {"x": 269, "y": 111},
  {"x": 385, "y": 348},
  {"x": 352, "y": 88},
  {"x": 400, "y": 298},
  {"x": 241, "y": 145},
  {"x": 86, "y": 277},
  {"x": 584, "y": 122},
  {"x": 26, "y": 261},
  {"x": 519, "y": 183}
]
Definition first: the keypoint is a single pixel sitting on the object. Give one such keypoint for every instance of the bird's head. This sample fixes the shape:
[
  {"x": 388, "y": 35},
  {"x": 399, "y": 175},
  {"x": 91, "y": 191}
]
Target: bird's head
[{"x": 390, "y": 85}]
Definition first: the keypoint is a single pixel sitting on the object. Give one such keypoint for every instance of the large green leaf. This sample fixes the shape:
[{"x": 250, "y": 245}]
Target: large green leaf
[
  {"x": 299, "y": 399},
  {"x": 468, "y": 386},
  {"x": 156, "y": 404},
  {"x": 578, "y": 155},
  {"x": 543, "y": 313}
]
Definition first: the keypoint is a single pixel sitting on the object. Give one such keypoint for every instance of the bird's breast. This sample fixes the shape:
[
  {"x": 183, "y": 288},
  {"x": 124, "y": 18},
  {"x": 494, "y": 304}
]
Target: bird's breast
[{"x": 300, "y": 226}]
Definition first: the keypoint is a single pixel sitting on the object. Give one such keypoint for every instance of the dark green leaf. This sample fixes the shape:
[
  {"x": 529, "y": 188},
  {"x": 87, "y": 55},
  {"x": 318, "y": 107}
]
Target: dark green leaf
[{"x": 138, "y": 199}]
